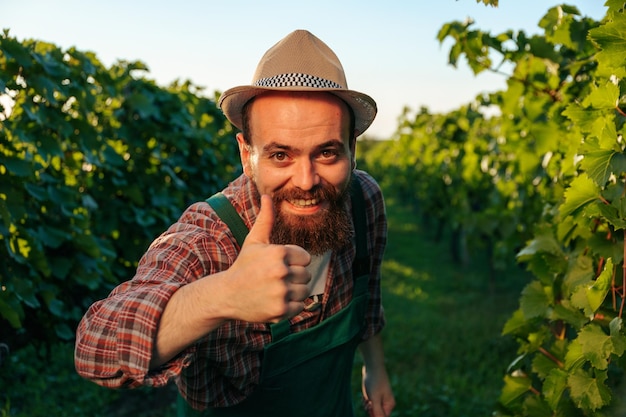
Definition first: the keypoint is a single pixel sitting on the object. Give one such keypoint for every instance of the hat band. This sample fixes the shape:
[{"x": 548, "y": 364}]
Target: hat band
[{"x": 296, "y": 80}]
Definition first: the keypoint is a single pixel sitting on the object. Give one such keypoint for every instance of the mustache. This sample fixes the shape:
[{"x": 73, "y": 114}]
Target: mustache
[{"x": 319, "y": 192}]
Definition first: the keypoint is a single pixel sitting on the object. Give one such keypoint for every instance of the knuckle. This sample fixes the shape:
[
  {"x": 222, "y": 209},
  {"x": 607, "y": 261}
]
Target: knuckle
[{"x": 281, "y": 271}]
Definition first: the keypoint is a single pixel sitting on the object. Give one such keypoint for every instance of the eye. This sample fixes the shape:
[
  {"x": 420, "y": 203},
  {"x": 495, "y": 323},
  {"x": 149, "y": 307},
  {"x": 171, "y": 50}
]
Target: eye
[
  {"x": 279, "y": 156},
  {"x": 329, "y": 154}
]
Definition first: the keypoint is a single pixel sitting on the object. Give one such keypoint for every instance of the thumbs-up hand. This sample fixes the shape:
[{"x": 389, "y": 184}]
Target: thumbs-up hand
[{"x": 268, "y": 281}]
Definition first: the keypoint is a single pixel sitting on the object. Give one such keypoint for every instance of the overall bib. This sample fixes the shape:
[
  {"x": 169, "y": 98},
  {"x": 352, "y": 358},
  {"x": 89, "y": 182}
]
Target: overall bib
[{"x": 306, "y": 373}]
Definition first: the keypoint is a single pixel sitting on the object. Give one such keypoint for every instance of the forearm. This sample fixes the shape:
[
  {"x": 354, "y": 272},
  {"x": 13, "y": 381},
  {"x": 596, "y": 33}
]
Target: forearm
[
  {"x": 372, "y": 352},
  {"x": 192, "y": 312}
]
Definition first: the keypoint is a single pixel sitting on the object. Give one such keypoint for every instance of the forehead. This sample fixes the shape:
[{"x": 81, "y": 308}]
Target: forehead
[
  {"x": 283, "y": 116},
  {"x": 283, "y": 101}
]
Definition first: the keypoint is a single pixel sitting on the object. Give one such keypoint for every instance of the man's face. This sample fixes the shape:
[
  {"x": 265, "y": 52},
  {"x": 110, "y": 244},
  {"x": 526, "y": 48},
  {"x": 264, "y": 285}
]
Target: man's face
[{"x": 301, "y": 155}]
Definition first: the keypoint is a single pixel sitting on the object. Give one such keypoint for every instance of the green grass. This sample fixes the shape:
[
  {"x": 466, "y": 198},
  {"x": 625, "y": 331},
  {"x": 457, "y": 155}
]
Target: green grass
[{"x": 444, "y": 352}]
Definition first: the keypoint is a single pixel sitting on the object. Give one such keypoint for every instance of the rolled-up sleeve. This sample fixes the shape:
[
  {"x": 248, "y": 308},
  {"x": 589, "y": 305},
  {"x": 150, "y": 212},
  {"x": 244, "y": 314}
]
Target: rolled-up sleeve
[{"x": 115, "y": 338}]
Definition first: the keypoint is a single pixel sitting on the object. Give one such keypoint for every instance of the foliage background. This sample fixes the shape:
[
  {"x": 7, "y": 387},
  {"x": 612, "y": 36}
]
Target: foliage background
[
  {"x": 542, "y": 178},
  {"x": 95, "y": 162}
]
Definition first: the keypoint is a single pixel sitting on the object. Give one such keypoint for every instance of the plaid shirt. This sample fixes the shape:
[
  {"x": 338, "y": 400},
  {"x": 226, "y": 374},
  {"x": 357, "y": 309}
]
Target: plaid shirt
[{"x": 115, "y": 337}]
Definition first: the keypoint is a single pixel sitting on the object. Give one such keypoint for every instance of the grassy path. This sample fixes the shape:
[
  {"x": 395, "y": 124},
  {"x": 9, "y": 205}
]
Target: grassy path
[{"x": 443, "y": 345}]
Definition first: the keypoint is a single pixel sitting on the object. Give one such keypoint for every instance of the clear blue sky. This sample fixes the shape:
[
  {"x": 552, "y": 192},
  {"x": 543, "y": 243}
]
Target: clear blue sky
[{"x": 388, "y": 48}]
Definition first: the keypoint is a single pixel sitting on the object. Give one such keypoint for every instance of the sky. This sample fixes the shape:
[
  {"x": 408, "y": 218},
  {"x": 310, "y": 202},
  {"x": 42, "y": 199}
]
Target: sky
[{"x": 388, "y": 48}]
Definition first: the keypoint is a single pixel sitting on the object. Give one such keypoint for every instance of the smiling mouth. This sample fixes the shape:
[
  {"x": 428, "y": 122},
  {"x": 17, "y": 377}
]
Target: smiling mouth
[{"x": 304, "y": 203}]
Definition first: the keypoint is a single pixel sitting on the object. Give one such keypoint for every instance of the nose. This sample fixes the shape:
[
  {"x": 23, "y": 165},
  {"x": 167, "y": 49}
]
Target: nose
[{"x": 306, "y": 177}]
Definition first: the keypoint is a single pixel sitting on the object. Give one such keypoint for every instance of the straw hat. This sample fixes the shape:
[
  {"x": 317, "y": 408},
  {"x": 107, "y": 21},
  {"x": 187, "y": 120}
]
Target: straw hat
[{"x": 299, "y": 62}]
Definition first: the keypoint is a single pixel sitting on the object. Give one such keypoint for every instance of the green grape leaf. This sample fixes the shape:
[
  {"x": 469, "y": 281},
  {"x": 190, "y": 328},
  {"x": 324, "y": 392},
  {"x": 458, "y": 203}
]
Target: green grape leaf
[
  {"x": 581, "y": 192},
  {"x": 542, "y": 243},
  {"x": 18, "y": 167},
  {"x": 603, "y": 97},
  {"x": 567, "y": 312},
  {"x": 588, "y": 294},
  {"x": 614, "y": 5},
  {"x": 554, "y": 386},
  {"x": 535, "y": 406},
  {"x": 144, "y": 105},
  {"x": 17, "y": 51},
  {"x": 585, "y": 119},
  {"x": 600, "y": 244},
  {"x": 557, "y": 27},
  {"x": 36, "y": 191},
  {"x": 56, "y": 307},
  {"x": 597, "y": 346},
  {"x": 574, "y": 358},
  {"x": 534, "y": 301},
  {"x": 615, "y": 327},
  {"x": 64, "y": 331},
  {"x": 515, "y": 323},
  {"x": 611, "y": 39},
  {"x": 600, "y": 164},
  {"x": 52, "y": 236},
  {"x": 579, "y": 299},
  {"x": 514, "y": 387},
  {"x": 580, "y": 271},
  {"x": 542, "y": 365},
  {"x": 569, "y": 229},
  {"x": 537, "y": 338},
  {"x": 608, "y": 136},
  {"x": 600, "y": 287},
  {"x": 614, "y": 213},
  {"x": 587, "y": 392},
  {"x": 25, "y": 291}
]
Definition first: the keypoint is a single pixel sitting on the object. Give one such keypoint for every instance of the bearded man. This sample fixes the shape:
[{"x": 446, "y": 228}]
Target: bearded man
[{"x": 256, "y": 300}]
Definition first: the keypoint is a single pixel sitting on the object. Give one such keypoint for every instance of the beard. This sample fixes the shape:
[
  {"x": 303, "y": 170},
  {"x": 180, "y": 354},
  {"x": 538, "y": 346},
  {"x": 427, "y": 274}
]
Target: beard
[{"x": 328, "y": 229}]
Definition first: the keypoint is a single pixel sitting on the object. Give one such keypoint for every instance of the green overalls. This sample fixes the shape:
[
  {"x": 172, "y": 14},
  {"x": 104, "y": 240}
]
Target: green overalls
[{"x": 306, "y": 373}]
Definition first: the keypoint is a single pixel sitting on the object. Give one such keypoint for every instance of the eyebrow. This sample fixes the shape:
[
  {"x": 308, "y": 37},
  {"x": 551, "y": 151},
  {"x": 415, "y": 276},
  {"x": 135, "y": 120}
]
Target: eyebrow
[
  {"x": 273, "y": 146},
  {"x": 333, "y": 143}
]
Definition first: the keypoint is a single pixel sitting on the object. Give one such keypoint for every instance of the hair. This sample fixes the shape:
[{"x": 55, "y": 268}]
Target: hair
[{"x": 247, "y": 132}]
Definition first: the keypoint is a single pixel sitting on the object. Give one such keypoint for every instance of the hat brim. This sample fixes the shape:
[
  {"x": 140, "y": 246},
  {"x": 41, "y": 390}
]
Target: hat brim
[{"x": 363, "y": 106}]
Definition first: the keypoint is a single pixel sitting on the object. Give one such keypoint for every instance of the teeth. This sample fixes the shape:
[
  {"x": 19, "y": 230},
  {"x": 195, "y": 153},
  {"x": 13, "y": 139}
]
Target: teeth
[{"x": 304, "y": 203}]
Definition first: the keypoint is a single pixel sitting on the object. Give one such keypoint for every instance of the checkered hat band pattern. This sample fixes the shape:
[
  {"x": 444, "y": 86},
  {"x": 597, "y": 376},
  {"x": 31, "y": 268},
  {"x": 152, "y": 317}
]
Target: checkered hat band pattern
[{"x": 296, "y": 80}]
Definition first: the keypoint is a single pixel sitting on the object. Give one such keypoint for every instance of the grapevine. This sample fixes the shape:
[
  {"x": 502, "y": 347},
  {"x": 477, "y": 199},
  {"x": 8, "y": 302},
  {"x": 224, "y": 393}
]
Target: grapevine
[{"x": 538, "y": 170}]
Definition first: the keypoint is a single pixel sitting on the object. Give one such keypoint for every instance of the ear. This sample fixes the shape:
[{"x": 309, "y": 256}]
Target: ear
[{"x": 244, "y": 154}]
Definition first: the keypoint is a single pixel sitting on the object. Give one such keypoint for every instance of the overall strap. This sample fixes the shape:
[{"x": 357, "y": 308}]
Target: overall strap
[
  {"x": 361, "y": 264},
  {"x": 229, "y": 215}
]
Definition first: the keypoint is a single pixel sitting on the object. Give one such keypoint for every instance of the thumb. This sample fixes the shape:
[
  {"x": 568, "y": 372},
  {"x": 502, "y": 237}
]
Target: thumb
[{"x": 262, "y": 228}]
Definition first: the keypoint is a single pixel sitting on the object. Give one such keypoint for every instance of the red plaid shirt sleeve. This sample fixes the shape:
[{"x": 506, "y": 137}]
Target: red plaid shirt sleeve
[{"x": 116, "y": 335}]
